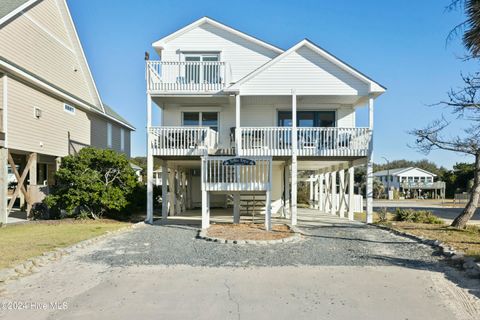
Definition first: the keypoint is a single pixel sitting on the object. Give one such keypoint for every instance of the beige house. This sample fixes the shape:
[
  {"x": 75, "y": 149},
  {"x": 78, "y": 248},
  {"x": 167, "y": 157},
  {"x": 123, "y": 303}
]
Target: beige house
[{"x": 49, "y": 104}]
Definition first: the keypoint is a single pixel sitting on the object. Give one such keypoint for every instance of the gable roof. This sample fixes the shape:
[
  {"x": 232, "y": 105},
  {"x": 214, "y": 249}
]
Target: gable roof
[
  {"x": 374, "y": 86},
  {"x": 112, "y": 113},
  {"x": 399, "y": 171},
  {"x": 158, "y": 45},
  {"x": 9, "y": 8}
]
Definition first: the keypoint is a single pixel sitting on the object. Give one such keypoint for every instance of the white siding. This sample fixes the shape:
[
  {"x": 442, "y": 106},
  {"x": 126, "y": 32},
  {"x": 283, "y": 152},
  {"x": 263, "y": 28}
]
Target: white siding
[
  {"x": 242, "y": 56},
  {"x": 307, "y": 73}
]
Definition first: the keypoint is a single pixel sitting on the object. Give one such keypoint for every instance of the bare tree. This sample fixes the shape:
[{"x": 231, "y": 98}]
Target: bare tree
[{"x": 464, "y": 103}]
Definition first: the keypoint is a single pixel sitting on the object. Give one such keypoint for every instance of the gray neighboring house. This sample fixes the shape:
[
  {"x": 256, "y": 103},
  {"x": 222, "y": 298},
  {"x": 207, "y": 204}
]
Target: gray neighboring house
[{"x": 49, "y": 104}]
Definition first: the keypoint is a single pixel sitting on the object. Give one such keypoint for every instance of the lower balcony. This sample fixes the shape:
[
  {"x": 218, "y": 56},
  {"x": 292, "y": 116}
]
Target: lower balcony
[
  {"x": 182, "y": 141},
  {"x": 316, "y": 141},
  {"x": 262, "y": 141}
]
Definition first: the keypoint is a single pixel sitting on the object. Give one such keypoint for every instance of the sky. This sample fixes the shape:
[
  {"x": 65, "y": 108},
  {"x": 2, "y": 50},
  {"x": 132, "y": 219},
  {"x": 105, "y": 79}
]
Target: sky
[{"x": 400, "y": 44}]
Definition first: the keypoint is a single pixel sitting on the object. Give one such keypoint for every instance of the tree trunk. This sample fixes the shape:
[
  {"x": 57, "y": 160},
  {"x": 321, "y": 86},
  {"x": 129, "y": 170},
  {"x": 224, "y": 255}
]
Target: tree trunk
[{"x": 471, "y": 207}]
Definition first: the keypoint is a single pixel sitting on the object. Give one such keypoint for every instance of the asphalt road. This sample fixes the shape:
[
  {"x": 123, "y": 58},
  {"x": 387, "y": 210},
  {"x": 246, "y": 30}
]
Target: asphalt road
[{"x": 340, "y": 270}]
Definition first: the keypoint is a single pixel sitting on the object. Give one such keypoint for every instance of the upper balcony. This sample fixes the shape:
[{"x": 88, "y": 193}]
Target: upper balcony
[{"x": 186, "y": 77}]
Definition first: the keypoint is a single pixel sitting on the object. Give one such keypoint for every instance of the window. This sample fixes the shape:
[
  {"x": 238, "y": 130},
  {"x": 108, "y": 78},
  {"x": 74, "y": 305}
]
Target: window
[
  {"x": 199, "y": 70},
  {"x": 206, "y": 119},
  {"x": 307, "y": 119},
  {"x": 109, "y": 135},
  {"x": 68, "y": 108},
  {"x": 122, "y": 139}
]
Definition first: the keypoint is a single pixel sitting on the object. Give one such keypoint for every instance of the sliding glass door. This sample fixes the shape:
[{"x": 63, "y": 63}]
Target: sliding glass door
[{"x": 307, "y": 119}]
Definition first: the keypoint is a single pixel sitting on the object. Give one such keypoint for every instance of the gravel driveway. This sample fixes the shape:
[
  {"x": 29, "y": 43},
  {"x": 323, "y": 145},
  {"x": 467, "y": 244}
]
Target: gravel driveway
[{"x": 340, "y": 270}]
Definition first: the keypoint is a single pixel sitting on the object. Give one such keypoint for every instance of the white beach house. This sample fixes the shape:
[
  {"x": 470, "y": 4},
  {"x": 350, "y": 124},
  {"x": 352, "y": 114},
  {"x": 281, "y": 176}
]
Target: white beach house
[{"x": 238, "y": 117}]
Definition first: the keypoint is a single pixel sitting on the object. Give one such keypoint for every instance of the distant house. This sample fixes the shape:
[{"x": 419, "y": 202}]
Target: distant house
[
  {"x": 49, "y": 104},
  {"x": 412, "y": 182}
]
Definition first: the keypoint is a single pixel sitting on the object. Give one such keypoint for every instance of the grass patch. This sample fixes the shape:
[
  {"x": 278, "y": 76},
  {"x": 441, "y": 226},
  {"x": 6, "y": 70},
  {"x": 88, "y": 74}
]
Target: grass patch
[
  {"x": 23, "y": 241},
  {"x": 465, "y": 240}
]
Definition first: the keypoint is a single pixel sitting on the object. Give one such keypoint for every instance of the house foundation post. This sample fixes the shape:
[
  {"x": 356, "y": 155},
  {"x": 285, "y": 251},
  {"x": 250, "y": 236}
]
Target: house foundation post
[
  {"x": 351, "y": 195},
  {"x": 294, "y": 159},
  {"x": 236, "y": 207},
  {"x": 149, "y": 218},
  {"x": 205, "y": 197},
  {"x": 369, "y": 194},
  {"x": 268, "y": 201},
  {"x": 3, "y": 187},
  {"x": 327, "y": 198},
  {"x": 286, "y": 195},
  {"x": 172, "y": 193},
  {"x": 164, "y": 190},
  {"x": 341, "y": 196},
  {"x": 333, "y": 192},
  {"x": 315, "y": 192},
  {"x": 321, "y": 197},
  {"x": 311, "y": 192}
]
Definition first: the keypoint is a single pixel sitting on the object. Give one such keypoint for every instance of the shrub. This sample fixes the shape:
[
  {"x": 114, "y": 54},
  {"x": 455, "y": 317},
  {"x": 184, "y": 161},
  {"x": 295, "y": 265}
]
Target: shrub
[
  {"x": 382, "y": 215},
  {"x": 417, "y": 216},
  {"x": 92, "y": 182}
]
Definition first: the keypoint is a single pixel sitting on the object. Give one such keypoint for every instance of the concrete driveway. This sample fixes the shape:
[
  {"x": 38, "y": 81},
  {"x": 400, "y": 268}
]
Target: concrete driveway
[{"x": 340, "y": 270}]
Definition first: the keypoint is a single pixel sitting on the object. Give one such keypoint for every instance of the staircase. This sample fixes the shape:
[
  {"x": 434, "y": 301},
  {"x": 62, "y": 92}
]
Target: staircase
[{"x": 251, "y": 204}]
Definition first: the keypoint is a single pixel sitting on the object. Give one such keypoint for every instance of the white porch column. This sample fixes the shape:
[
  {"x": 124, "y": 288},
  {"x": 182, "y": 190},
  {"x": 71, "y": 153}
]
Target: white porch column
[
  {"x": 321, "y": 197},
  {"x": 286, "y": 200},
  {"x": 311, "y": 197},
  {"x": 268, "y": 201},
  {"x": 315, "y": 192},
  {"x": 333, "y": 191},
  {"x": 3, "y": 187},
  {"x": 351, "y": 195},
  {"x": 369, "y": 194},
  {"x": 172, "y": 193},
  {"x": 342, "y": 195},
  {"x": 205, "y": 197},
  {"x": 294, "y": 159},
  {"x": 328, "y": 188},
  {"x": 236, "y": 207},
  {"x": 149, "y": 162},
  {"x": 238, "y": 135},
  {"x": 164, "y": 190}
]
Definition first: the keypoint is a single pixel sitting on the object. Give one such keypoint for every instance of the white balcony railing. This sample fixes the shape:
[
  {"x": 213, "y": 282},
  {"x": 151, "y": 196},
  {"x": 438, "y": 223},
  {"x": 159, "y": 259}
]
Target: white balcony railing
[
  {"x": 186, "y": 76},
  {"x": 317, "y": 141},
  {"x": 180, "y": 141}
]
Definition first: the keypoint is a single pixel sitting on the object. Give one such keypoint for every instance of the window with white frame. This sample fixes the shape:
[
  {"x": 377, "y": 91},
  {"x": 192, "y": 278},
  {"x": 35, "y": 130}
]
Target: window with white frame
[
  {"x": 202, "y": 67},
  {"x": 206, "y": 119},
  {"x": 68, "y": 108},
  {"x": 122, "y": 139},
  {"x": 109, "y": 135}
]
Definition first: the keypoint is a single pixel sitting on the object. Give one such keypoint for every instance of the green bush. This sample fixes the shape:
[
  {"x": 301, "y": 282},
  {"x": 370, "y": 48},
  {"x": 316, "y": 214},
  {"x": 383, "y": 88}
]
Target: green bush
[
  {"x": 92, "y": 183},
  {"x": 417, "y": 216}
]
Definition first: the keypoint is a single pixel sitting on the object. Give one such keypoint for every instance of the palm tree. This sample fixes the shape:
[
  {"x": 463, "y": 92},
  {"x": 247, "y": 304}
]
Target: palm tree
[{"x": 470, "y": 27}]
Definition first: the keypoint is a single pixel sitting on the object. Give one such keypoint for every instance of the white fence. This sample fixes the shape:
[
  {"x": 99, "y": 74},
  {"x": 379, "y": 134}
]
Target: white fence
[
  {"x": 318, "y": 141},
  {"x": 186, "y": 76},
  {"x": 357, "y": 202},
  {"x": 219, "y": 176},
  {"x": 179, "y": 141}
]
